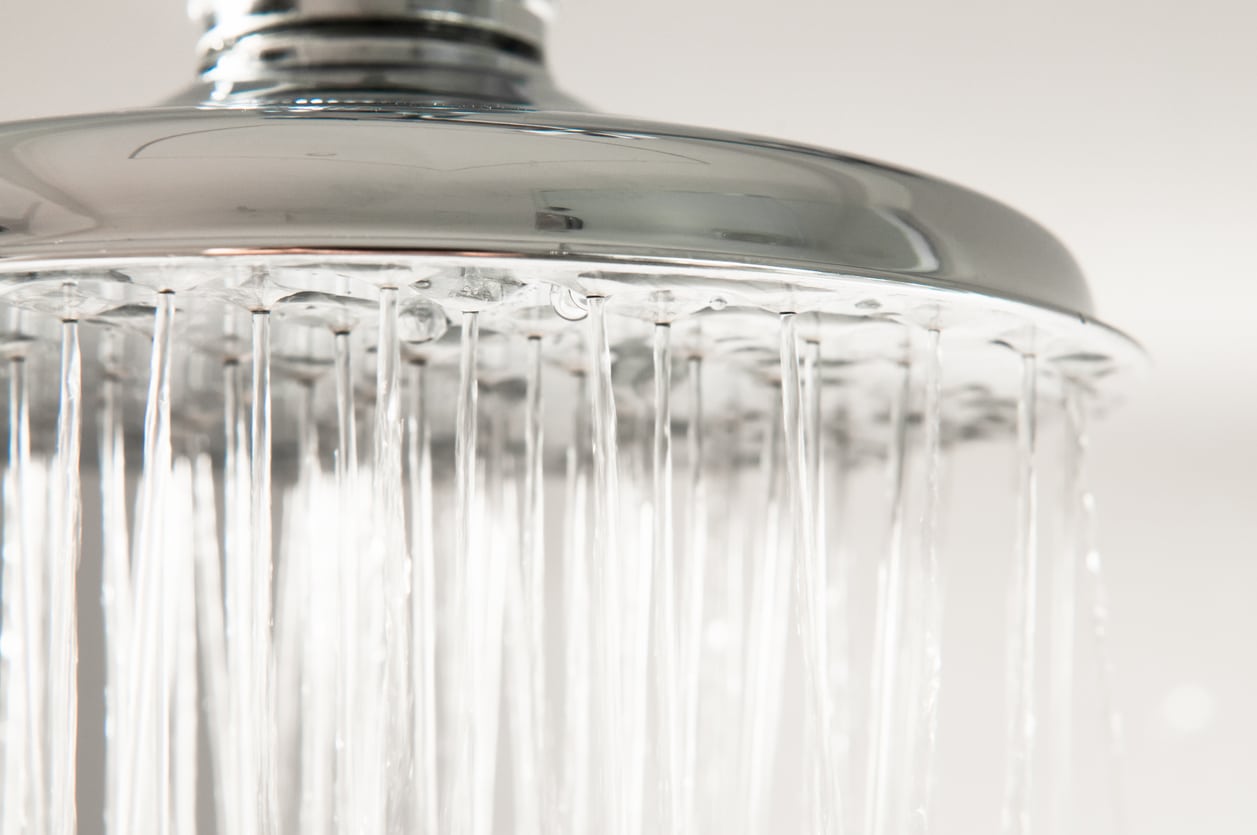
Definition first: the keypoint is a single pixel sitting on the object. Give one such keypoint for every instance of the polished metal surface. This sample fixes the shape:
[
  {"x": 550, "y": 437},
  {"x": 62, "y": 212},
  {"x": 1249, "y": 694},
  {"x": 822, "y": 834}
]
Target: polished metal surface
[
  {"x": 226, "y": 21},
  {"x": 323, "y": 175},
  {"x": 379, "y": 69},
  {"x": 432, "y": 128},
  {"x": 437, "y": 52}
]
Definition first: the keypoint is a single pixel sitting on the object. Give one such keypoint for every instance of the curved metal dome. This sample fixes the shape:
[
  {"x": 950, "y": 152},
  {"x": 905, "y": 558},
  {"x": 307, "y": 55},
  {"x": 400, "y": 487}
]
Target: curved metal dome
[
  {"x": 193, "y": 181},
  {"x": 309, "y": 132}
]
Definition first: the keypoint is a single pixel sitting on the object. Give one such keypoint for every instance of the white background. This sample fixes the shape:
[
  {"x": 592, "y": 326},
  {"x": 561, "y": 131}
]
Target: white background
[{"x": 1128, "y": 129}]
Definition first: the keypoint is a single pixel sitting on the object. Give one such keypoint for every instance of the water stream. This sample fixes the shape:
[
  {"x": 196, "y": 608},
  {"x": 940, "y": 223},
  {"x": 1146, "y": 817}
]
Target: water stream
[
  {"x": 931, "y": 596},
  {"x": 887, "y": 720},
  {"x": 1085, "y": 545},
  {"x": 692, "y": 608},
  {"x": 425, "y": 751},
  {"x": 598, "y": 569},
  {"x": 1023, "y": 617},
  {"x": 669, "y": 743},
  {"x": 62, "y": 590}
]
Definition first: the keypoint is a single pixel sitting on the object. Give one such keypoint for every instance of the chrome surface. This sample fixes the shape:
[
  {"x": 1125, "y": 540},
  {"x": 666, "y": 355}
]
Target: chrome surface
[
  {"x": 226, "y": 21},
  {"x": 330, "y": 175},
  {"x": 382, "y": 69},
  {"x": 434, "y": 52},
  {"x": 430, "y": 128}
]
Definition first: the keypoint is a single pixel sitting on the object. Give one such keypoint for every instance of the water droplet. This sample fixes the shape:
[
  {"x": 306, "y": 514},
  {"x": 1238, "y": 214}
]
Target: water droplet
[
  {"x": 138, "y": 316},
  {"x": 422, "y": 321},
  {"x": 569, "y": 304},
  {"x": 316, "y": 309},
  {"x": 485, "y": 285},
  {"x": 719, "y": 303},
  {"x": 474, "y": 288}
]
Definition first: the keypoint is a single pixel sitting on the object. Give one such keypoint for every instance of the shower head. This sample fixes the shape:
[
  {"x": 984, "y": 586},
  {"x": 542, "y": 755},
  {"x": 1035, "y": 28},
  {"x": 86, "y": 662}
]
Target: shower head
[
  {"x": 379, "y": 223},
  {"x": 429, "y": 133},
  {"x": 399, "y": 126}
]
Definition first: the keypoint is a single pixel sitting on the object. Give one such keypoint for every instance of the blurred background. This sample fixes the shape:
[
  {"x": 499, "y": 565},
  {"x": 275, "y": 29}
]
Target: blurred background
[{"x": 1128, "y": 129}]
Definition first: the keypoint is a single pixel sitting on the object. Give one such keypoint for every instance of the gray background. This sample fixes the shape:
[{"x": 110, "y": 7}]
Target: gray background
[{"x": 1129, "y": 129}]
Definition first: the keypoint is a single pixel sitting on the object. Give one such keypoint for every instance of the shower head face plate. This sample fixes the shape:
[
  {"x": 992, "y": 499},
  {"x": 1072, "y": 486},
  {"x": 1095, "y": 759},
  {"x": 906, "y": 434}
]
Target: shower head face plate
[{"x": 865, "y": 330}]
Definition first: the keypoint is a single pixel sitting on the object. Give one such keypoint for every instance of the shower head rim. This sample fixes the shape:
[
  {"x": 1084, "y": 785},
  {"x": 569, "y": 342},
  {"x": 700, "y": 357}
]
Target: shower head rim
[
  {"x": 815, "y": 290},
  {"x": 616, "y": 191}
]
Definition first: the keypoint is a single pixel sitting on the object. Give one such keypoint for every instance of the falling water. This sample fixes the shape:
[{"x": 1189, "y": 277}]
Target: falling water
[
  {"x": 466, "y": 773},
  {"x": 609, "y": 718},
  {"x": 62, "y": 602},
  {"x": 536, "y": 667},
  {"x": 669, "y": 743},
  {"x": 891, "y": 590},
  {"x": 534, "y": 553},
  {"x": 766, "y": 628},
  {"x": 230, "y": 750},
  {"x": 802, "y": 441},
  {"x": 309, "y": 601},
  {"x": 1023, "y": 633},
  {"x": 235, "y": 743},
  {"x": 143, "y": 773},
  {"x": 116, "y": 601},
  {"x": 423, "y": 604},
  {"x": 1113, "y": 726},
  {"x": 395, "y": 563},
  {"x": 931, "y": 595},
  {"x": 348, "y": 679},
  {"x": 525, "y": 598},
  {"x": 529, "y": 606},
  {"x": 212, "y": 632},
  {"x": 1083, "y": 507},
  {"x": 346, "y": 427},
  {"x": 1064, "y": 588},
  {"x": 262, "y": 698},
  {"x": 729, "y": 548},
  {"x": 834, "y": 486},
  {"x": 181, "y": 599},
  {"x": 25, "y": 781},
  {"x": 575, "y": 795},
  {"x": 12, "y": 653},
  {"x": 692, "y": 596},
  {"x": 487, "y": 581}
]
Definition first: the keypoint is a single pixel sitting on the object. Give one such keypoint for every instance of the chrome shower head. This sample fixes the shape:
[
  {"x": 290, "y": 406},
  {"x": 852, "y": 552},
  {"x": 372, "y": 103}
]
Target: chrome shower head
[
  {"x": 380, "y": 225},
  {"x": 431, "y": 129}
]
